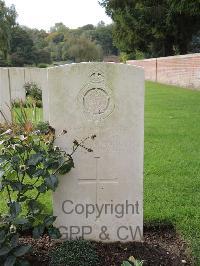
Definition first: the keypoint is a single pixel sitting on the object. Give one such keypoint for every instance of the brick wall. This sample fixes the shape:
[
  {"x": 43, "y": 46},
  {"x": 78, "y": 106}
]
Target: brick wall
[{"x": 182, "y": 70}]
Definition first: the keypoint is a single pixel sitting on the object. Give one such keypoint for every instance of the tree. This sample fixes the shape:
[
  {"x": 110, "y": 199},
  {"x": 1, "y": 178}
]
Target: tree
[
  {"x": 7, "y": 21},
  {"x": 39, "y": 37},
  {"x": 195, "y": 44},
  {"x": 102, "y": 35},
  {"x": 82, "y": 44},
  {"x": 59, "y": 27},
  {"x": 21, "y": 47},
  {"x": 88, "y": 27},
  {"x": 156, "y": 27},
  {"x": 28, "y": 47},
  {"x": 42, "y": 56},
  {"x": 84, "y": 50}
]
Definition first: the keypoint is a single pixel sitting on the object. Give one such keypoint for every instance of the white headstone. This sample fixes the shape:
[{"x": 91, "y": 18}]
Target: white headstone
[
  {"x": 102, "y": 197},
  {"x": 5, "y": 100},
  {"x": 17, "y": 81},
  {"x": 39, "y": 76}
]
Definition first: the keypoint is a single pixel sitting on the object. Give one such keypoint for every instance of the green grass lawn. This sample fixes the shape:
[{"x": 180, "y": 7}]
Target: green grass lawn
[{"x": 172, "y": 161}]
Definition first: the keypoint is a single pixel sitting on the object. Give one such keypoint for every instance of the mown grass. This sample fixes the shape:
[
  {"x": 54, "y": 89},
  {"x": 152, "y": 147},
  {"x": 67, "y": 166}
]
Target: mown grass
[{"x": 172, "y": 161}]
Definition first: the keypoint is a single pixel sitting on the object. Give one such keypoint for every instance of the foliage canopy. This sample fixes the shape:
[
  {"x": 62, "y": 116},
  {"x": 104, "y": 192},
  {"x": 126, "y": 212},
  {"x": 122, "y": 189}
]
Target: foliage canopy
[
  {"x": 7, "y": 21},
  {"x": 156, "y": 27}
]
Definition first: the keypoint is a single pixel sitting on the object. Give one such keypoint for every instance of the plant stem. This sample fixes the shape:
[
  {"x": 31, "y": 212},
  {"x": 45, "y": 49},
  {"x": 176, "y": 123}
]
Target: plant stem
[
  {"x": 79, "y": 144},
  {"x": 37, "y": 196},
  {"x": 9, "y": 196}
]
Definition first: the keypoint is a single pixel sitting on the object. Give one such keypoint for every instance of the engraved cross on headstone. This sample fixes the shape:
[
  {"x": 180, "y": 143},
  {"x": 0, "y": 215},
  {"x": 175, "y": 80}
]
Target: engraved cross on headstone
[{"x": 97, "y": 179}]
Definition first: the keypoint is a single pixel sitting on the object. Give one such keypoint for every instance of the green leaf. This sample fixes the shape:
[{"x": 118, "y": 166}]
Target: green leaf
[
  {"x": 138, "y": 263},
  {"x": 14, "y": 240},
  {"x": 2, "y": 236},
  {"x": 39, "y": 172},
  {"x": 16, "y": 186},
  {"x": 38, "y": 231},
  {"x": 10, "y": 261},
  {"x": 54, "y": 233},
  {"x": 15, "y": 160},
  {"x": 49, "y": 220},
  {"x": 34, "y": 206},
  {"x": 21, "y": 250},
  {"x": 27, "y": 187},
  {"x": 5, "y": 250},
  {"x": 52, "y": 163},
  {"x": 15, "y": 208},
  {"x": 1, "y": 177},
  {"x": 35, "y": 159},
  {"x": 26, "y": 227},
  {"x": 1, "y": 173},
  {"x": 31, "y": 170},
  {"x": 20, "y": 221},
  {"x": 126, "y": 263},
  {"x": 42, "y": 188},
  {"x": 23, "y": 198},
  {"x": 52, "y": 182},
  {"x": 23, "y": 263},
  {"x": 66, "y": 167}
]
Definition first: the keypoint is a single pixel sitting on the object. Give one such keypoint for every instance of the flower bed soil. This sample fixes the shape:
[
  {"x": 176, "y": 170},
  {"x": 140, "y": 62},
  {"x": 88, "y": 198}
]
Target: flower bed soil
[{"x": 161, "y": 246}]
